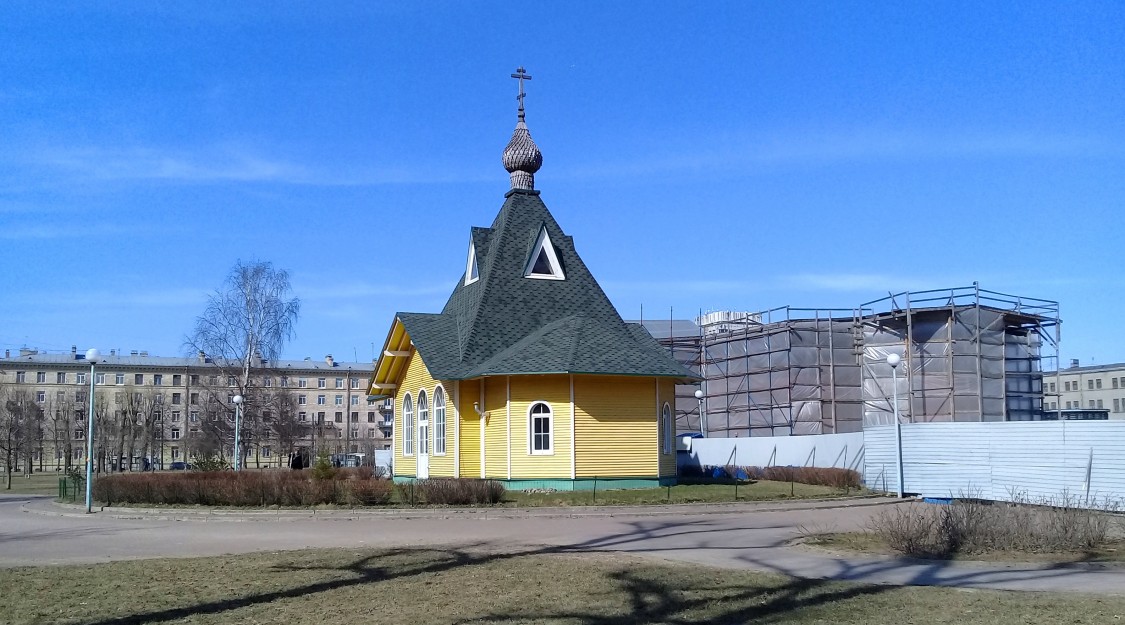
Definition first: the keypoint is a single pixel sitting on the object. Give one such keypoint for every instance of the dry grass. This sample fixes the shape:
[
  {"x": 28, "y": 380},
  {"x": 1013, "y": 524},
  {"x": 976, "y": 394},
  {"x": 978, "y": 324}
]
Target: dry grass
[
  {"x": 868, "y": 543},
  {"x": 412, "y": 586},
  {"x": 45, "y": 483},
  {"x": 682, "y": 493},
  {"x": 975, "y": 527}
]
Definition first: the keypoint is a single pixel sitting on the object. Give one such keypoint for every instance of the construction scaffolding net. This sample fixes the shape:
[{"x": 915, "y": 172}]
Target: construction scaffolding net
[{"x": 967, "y": 354}]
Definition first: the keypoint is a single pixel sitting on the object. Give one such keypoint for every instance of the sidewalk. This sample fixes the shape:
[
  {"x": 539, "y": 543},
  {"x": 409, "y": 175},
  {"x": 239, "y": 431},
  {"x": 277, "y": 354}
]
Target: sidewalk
[{"x": 47, "y": 506}]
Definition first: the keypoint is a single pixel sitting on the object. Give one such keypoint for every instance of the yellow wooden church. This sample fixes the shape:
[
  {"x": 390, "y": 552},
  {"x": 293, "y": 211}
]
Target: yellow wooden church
[{"x": 528, "y": 375}]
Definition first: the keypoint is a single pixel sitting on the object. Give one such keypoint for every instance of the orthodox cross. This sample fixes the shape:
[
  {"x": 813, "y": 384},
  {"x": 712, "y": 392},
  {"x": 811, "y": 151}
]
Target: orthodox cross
[{"x": 522, "y": 75}]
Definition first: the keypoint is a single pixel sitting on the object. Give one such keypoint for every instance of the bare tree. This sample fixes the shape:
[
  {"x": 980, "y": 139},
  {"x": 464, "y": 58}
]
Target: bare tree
[
  {"x": 20, "y": 419},
  {"x": 246, "y": 325},
  {"x": 287, "y": 428}
]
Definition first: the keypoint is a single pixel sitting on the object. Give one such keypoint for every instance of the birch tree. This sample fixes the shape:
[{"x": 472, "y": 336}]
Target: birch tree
[{"x": 245, "y": 325}]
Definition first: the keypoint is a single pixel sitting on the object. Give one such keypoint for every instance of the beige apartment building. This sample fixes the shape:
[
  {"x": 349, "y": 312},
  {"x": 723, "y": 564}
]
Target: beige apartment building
[
  {"x": 1091, "y": 387},
  {"x": 155, "y": 410}
]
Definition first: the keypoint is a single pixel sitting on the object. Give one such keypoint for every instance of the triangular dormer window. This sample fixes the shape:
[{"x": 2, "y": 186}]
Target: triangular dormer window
[
  {"x": 472, "y": 274},
  {"x": 544, "y": 260}
]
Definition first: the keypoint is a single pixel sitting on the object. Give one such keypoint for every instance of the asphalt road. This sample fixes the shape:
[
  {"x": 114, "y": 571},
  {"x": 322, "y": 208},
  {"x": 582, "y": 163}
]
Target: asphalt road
[{"x": 34, "y": 531}]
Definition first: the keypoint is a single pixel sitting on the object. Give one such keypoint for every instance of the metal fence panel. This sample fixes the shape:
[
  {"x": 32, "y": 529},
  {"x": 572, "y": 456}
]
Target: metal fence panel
[{"x": 1083, "y": 461}]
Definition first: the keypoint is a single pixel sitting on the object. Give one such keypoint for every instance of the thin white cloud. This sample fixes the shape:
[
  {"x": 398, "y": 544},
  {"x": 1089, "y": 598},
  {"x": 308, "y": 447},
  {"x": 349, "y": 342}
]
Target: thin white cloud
[
  {"x": 46, "y": 231},
  {"x": 679, "y": 286},
  {"x": 231, "y": 164},
  {"x": 127, "y": 298},
  {"x": 735, "y": 152},
  {"x": 310, "y": 289}
]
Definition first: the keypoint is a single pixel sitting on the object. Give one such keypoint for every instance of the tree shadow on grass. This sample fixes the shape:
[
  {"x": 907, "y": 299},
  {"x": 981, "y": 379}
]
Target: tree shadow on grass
[{"x": 648, "y": 600}]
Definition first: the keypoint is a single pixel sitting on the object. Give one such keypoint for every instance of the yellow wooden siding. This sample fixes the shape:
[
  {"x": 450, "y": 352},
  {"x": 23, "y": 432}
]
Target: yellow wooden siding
[
  {"x": 615, "y": 426},
  {"x": 417, "y": 378},
  {"x": 555, "y": 391},
  {"x": 667, "y": 395},
  {"x": 470, "y": 429},
  {"x": 496, "y": 428},
  {"x": 403, "y": 464}
]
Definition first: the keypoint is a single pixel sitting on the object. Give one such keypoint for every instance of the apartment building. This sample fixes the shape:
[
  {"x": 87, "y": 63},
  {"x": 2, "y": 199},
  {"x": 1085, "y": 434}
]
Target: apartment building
[
  {"x": 167, "y": 409},
  {"x": 1090, "y": 387}
]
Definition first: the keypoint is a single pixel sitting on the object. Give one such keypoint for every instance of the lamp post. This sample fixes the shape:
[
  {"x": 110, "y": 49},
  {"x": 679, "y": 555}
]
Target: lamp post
[
  {"x": 92, "y": 356},
  {"x": 237, "y": 399},
  {"x": 893, "y": 360},
  {"x": 702, "y": 413}
]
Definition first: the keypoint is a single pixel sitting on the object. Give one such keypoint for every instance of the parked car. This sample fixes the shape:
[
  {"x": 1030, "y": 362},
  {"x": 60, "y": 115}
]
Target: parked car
[{"x": 180, "y": 466}]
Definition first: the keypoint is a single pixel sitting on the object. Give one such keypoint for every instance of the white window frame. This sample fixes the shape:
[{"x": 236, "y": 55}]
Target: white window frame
[
  {"x": 439, "y": 424},
  {"x": 668, "y": 445},
  {"x": 531, "y": 416},
  {"x": 407, "y": 425},
  {"x": 471, "y": 264},
  {"x": 544, "y": 243},
  {"x": 423, "y": 407}
]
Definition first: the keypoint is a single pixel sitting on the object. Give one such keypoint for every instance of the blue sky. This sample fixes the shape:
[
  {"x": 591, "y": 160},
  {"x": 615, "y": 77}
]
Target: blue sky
[{"x": 703, "y": 156}]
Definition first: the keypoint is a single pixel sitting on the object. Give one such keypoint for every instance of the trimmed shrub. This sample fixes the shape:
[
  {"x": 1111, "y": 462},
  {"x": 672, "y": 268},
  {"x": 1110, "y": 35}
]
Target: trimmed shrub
[
  {"x": 368, "y": 492},
  {"x": 816, "y": 476},
  {"x": 460, "y": 491},
  {"x": 245, "y": 488}
]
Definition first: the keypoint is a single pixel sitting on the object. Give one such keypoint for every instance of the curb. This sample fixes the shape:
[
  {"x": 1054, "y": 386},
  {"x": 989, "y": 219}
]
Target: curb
[{"x": 52, "y": 508}]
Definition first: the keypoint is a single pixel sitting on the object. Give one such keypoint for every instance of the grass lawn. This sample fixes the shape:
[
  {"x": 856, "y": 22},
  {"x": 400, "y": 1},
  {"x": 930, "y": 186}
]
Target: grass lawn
[
  {"x": 412, "y": 586},
  {"x": 761, "y": 490},
  {"x": 868, "y": 543},
  {"x": 45, "y": 483}
]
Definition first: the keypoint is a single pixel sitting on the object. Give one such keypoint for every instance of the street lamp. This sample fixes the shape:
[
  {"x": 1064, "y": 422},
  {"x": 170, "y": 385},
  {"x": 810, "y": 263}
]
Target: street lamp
[
  {"x": 92, "y": 356},
  {"x": 237, "y": 399},
  {"x": 893, "y": 360},
  {"x": 702, "y": 414}
]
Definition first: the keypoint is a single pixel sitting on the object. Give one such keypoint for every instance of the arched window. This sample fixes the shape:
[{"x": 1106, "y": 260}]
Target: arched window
[
  {"x": 423, "y": 423},
  {"x": 407, "y": 426},
  {"x": 439, "y": 421},
  {"x": 540, "y": 429},
  {"x": 666, "y": 427}
]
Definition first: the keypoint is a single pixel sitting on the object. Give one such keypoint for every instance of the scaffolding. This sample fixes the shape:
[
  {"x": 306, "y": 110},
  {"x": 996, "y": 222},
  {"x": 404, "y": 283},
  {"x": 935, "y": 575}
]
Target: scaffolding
[
  {"x": 785, "y": 371},
  {"x": 968, "y": 354}
]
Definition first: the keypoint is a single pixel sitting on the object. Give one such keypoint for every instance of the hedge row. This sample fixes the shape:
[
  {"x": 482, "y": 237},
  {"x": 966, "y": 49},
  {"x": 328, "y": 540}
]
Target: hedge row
[
  {"x": 348, "y": 487},
  {"x": 815, "y": 476}
]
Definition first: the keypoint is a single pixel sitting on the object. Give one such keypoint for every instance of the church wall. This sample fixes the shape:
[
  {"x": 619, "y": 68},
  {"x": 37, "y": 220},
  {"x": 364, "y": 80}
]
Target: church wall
[
  {"x": 470, "y": 428},
  {"x": 615, "y": 426},
  {"x": 496, "y": 427},
  {"x": 555, "y": 391},
  {"x": 417, "y": 377},
  {"x": 666, "y": 392}
]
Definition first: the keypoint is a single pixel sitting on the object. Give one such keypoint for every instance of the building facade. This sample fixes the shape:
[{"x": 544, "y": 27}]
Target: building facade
[
  {"x": 154, "y": 410},
  {"x": 1098, "y": 387},
  {"x": 529, "y": 375}
]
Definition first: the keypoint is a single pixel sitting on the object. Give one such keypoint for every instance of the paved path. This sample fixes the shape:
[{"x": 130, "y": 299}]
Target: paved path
[{"x": 35, "y": 531}]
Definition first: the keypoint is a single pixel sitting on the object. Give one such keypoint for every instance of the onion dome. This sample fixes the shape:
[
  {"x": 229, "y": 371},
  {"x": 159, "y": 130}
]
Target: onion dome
[{"x": 522, "y": 157}]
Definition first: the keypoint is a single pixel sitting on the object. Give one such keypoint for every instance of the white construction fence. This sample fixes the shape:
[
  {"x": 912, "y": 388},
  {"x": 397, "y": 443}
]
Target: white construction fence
[
  {"x": 825, "y": 450},
  {"x": 1083, "y": 461}
]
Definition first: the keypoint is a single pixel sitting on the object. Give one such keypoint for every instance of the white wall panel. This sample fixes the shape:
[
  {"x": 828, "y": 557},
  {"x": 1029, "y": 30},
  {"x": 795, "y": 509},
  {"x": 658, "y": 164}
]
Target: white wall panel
[{"x": 1001, "y": 460}]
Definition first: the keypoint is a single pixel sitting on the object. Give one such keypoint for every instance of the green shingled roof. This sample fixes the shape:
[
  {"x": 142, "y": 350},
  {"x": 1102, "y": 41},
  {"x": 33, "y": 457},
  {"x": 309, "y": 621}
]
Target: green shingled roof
[{"x": 505, "y": 323}]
